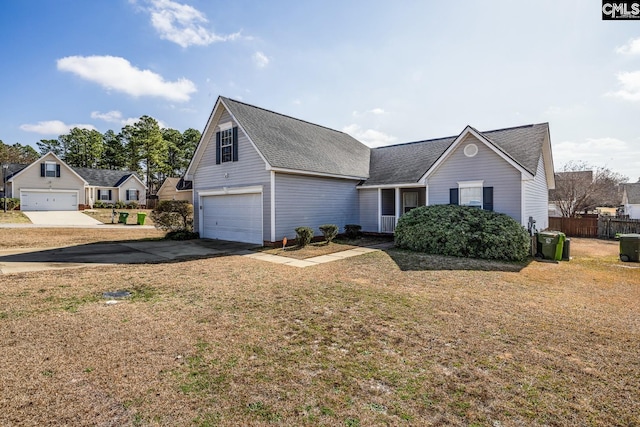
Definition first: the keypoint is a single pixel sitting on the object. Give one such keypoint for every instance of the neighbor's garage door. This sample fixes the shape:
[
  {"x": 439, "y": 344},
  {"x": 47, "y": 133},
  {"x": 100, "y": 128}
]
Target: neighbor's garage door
[
  {"x": 235, "y": 217},
  {"x": 48, "y": 201}
]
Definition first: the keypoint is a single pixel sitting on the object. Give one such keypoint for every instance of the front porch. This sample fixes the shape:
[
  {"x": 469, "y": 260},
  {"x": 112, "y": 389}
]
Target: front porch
[{"x": 394, "y": 202}]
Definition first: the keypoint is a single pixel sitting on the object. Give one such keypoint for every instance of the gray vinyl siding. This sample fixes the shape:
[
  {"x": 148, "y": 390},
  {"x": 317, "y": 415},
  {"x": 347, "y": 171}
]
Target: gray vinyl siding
[
  {"x": 368, "y": 209},
  {"x": 485, "y": 166},
  {"x": 537, "y": 198},
  {"x": 312, "y": 201},
  {"x": 249, "y": 170}
]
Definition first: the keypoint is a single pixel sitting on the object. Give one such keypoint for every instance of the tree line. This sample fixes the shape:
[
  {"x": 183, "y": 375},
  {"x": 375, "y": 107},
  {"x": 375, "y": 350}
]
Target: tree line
[{"x": 153, "y": 152}]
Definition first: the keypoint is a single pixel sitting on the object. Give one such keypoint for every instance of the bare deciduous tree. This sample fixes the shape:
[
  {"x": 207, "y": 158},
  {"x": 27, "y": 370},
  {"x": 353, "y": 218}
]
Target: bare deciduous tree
[{"x": 581, "y": 188}]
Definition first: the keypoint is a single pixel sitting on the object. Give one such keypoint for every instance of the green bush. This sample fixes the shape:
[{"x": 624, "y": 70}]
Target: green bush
[
  {"x": 182, "y": 235},
  {"x": 329, "y": 231},
  {"x": 352, "y": 231},
  {"x": 303, "y": 236},
  {"x": 99, "y": 204},
  {"x": 120, "y": 205},
  {"x": 132, "y": 205},
  {"x": 464, "y": 232},
  {"x": 173, "y": 215},
  {"x": 11, "y": 203}
]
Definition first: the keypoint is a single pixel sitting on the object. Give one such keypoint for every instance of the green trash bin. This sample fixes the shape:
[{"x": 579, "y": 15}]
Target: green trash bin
[
  {"x": 123, "y": 217},
  {"x": 630, "y": 247},
  {"x": 141, "y": 217},
  {"x": 550, "y": 244}
]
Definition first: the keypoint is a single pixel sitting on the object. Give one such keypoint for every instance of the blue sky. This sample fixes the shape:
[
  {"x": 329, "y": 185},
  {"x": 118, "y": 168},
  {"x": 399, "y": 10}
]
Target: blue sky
[{"x": 385, "y": 72}]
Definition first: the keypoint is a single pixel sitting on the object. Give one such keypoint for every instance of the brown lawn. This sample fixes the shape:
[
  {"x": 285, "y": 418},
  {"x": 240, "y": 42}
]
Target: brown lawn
[
  {"x": 13, "y": 217},
  {"x": 388, "y": 338}
]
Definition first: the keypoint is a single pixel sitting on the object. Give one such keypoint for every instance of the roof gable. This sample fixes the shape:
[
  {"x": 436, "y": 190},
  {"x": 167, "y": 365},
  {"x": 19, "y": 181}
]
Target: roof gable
[
  {"x": 411, "y": 162},
  {"x": 48, "y": 157},
  {"x": 291, "y": 144}
]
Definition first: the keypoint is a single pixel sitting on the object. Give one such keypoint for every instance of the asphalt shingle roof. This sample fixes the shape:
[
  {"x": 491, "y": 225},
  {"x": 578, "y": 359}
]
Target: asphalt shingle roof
[
  {"x": 633, "y": 193},
  {"x": 407, "y": 163},
  {"x": 289, "y": 143},
  {"x": 103, "y": 177}
]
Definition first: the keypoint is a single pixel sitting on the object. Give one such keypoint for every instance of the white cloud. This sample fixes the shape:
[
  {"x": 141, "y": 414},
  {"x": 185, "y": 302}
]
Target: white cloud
[
  {"x": 115, "y": 73},
  {"x": 181, "y": 24},
  {"x": 53, "y": 127},
  {"x": 370, "y": 137},
  {"x": 374, "y": 111},
  {"x": 631, "y": 48},
  {"x": 630, "y": 82},
  {"x": 110, "y": 116},
  {"x": 260, "y": 59}
]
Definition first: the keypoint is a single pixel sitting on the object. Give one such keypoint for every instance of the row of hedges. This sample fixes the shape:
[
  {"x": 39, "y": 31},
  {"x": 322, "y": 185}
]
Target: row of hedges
[
  {"x": 462, "y": 231},
  {"x": 99, "y": 204}
]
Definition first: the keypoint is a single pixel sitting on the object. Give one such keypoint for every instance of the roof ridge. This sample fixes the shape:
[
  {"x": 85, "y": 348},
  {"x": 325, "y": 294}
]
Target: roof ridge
[
  {"x": 455, "y": 136},
  {"x": 283, "y": 115}
]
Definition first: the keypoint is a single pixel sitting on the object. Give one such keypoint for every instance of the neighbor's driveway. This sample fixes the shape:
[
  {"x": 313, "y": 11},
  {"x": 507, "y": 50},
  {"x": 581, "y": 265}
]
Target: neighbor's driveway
[
  {"x": 134, "y": 252},
  {"x": 65, "y": 218}
]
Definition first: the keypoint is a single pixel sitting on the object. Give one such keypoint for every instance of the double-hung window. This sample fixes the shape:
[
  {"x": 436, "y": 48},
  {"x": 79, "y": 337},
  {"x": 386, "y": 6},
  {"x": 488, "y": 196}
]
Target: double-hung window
[
  {"x": 50, "y": 169},
  {"x": 226, "y": 145},
  {"x": 132, "y": 194},
  {"x": 472, "y": 193}
]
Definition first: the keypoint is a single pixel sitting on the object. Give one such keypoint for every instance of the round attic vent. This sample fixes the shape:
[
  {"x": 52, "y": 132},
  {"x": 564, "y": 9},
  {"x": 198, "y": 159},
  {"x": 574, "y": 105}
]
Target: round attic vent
[{"x": 470, "y": 150}]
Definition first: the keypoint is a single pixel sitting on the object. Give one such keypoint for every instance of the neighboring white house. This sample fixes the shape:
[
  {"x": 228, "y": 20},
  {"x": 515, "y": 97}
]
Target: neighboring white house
[
  {"x": 257, "y": 175},
  {"x": 50, "y": 184},
  {"x": 631, "y": 200}
]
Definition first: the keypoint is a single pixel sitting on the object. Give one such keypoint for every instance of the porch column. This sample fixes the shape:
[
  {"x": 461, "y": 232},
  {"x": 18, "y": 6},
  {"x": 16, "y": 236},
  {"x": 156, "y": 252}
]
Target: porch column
[
  {"x": 398, "y": 204},
  {"x": 379, "y": 210}
]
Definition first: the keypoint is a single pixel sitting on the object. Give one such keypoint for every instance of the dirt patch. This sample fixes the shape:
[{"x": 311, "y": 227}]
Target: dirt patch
[
  {"x": 234, "y": 341},
  {"x": 13, "y": 217}
]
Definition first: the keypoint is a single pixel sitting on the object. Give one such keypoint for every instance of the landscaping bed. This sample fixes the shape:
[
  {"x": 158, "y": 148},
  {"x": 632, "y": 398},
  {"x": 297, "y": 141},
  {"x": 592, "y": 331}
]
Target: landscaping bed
[{"x": 105, "y": 215}]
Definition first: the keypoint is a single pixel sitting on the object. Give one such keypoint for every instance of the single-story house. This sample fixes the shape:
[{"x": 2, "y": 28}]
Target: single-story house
[
  {"x": 175, "y": 189},
  {"x": 49, "y": 184},
  {"x": 631, "y": 200},
  {"x": 257, "y": 175}
]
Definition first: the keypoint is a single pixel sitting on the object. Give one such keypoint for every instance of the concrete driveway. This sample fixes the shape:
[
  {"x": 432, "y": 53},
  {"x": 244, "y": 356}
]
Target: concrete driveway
[
  {"x": 61, "y": 218},
  {"x": 134, "y": 252}
]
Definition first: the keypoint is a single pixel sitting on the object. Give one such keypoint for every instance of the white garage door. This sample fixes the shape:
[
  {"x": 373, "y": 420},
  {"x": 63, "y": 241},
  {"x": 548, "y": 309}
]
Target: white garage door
[
  {"x": 235, "y": 217},
  {"x": 48, "y": 201}
]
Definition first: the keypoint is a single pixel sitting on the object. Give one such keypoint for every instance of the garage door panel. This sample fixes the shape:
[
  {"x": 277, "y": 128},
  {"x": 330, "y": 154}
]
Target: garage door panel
[
  {"x": 48, "y": 201},
  {"x": 236, "y": 217}
]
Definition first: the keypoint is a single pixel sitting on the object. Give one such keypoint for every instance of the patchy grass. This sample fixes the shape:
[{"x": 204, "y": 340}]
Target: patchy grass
[
  {"x": 105, "y": 215},
  {"x": 13, "y": 238},
  {"x": 365, "y": 341},
  {"x": 13, "y": 217}
]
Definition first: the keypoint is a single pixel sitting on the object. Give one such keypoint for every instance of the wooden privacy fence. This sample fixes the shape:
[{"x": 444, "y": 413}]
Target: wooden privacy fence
[
  {"x": 608, "y": 227},
  {"x": 575, "y": 227},
  {"x": 604, "y": 227}
]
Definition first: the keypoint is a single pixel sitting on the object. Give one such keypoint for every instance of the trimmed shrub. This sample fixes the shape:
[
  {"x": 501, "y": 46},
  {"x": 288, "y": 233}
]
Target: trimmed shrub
[
  {"x": 12, "y": 203},
  {"x": 352, "y": 231},
  {"x": 462, "y": 231},
  {"x": 330, "y": 231},
  {"x": 120, "y": 205},
  {"x": 303, "y": 236},
  {"x": 173, "y": 215},
  {"x": 99, "y": 204},
  {"x": 132, "y": 205}
]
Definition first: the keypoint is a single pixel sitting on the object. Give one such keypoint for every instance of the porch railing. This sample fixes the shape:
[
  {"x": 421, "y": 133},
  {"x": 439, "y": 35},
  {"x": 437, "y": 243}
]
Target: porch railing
[{"x": 387, "y": 223}]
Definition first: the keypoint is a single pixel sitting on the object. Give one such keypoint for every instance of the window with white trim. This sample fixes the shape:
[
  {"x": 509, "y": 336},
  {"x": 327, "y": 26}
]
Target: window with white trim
[
  {"x": 50, "y": 169},
  {"x": 470, "y": 193},
  {"x": 132, "y": 194},
  {"x": 226, "y": 145}
]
